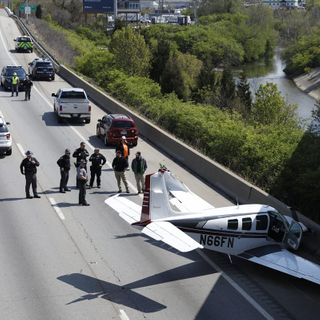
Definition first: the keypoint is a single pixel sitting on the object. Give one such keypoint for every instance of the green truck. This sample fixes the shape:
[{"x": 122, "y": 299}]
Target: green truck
[{"x": 24, "y": 44}]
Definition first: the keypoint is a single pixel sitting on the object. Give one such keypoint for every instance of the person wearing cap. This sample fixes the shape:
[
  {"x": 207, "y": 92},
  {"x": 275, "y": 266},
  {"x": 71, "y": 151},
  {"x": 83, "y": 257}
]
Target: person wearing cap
[
  {"x": 81, "y": 154},
  {"x": 15, "y": 84},
  {"x": 82, "y": 178},
  {"x": 97, "y": 161},
  {"x": 28, "y": 167},
  {"x": 119, "y": 165},
  {"x": 123, "y": 147},
  {"x": 64, "y": 164},
  {"x": 139, "y": 167},
  {"x": 27, "y": 84}
]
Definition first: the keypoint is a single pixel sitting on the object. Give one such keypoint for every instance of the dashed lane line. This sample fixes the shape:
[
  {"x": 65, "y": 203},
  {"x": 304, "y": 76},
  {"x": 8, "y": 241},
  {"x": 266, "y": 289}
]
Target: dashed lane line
[
  {"x": 57, "y": 209},
  {"x": 123, "y": 315}
]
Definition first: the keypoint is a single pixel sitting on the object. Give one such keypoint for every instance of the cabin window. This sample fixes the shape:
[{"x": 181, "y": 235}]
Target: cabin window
[
  {"x": 261, "y": 222},
  {"x": 246, "y": 223},
  {"x": 233, "y": 224}
]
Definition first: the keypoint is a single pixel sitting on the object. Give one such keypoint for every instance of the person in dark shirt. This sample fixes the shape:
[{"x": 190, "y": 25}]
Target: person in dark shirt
[
  {"x": 64, "y": 164},
  {"x": 81, "y": 154},
  {"x": 27, "y": 84},
  {"x": 119, "y": 165},
  {"x": 97, "y": 161},
  {"x": 139, "y": 166},
  {"x": 28, "y": 167}
]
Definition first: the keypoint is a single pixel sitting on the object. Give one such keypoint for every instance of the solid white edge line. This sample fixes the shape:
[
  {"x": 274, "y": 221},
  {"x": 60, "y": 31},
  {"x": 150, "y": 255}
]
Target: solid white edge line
[
  {"x": 235, "y": 286},
  {"x": 56, "y": 208},
  {"x": 123, "y": 315}
]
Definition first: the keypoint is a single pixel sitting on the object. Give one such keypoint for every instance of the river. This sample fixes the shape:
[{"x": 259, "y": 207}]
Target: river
[{"x": 261, "y": 73}]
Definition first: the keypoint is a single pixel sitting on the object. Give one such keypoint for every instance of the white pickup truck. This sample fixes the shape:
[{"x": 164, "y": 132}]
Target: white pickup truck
[{"x": 72, "y": 103}]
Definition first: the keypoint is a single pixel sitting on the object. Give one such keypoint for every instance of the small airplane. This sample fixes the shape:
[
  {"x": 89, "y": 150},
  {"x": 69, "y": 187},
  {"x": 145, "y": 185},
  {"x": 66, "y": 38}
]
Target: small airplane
[{"x": 172, "y": 213}]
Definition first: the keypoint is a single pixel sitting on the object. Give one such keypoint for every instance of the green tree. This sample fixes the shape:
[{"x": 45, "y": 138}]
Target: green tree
[
  {"x": 181, "y": 75},
  {"x": 244, "y": 94},
  {"x": 39, "y": 11},
  {"x": 227, "y": 88},
  {"x": 131, "y": 53},
  {"x": 271, "y": 108}
]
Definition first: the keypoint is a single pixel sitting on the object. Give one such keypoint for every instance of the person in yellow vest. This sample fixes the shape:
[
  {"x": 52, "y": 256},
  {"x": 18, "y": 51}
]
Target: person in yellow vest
[
  {"x": 15, "y": 84},
  {"x": 123, "y": 147}
]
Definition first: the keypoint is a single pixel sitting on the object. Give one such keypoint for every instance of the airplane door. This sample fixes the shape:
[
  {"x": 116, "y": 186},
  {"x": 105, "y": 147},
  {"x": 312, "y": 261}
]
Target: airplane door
[{"x": 293, "y": 236}]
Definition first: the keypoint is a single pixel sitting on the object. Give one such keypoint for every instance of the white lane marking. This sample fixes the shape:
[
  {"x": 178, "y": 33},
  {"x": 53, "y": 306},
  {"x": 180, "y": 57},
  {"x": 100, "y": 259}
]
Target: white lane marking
[
  {"x": 21, "y": 149},
  {"x": 123, "y": 315},
  {"x": 235, "y": 286},
  {"x": 56, "y": 208}
]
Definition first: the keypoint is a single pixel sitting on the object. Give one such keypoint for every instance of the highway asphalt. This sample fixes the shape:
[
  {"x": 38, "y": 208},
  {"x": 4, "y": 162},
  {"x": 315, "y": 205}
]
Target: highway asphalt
[{"x": 62, "y": 261}]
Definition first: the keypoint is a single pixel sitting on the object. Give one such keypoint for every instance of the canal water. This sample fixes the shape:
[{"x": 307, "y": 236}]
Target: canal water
[{"x": 261, "y": 72}]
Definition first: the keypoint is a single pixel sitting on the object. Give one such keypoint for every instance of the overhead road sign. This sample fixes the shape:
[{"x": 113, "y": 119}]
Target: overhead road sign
[{"x": 98, "y": 6}]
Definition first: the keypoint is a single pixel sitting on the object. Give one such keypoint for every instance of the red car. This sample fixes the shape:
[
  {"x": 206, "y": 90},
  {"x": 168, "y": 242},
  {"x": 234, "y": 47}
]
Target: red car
[{"x": 113, "y": 126}]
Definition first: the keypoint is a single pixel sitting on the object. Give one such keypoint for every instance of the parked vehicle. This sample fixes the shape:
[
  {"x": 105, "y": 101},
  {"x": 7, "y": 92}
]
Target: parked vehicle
[
  {"x": 113, "y": 126},
  {"x": 41, "y": 69},
  {"x": 5, "y": 137},
  {"x": 7, "y": 73},
  {"x": 72, "y": 103},
  {"x": 24, "y": 43}
]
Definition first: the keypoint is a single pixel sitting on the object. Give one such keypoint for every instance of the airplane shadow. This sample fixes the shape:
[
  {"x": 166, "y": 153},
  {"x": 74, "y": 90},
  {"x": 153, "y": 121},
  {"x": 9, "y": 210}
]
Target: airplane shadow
[{"x": 97, "y": 288}]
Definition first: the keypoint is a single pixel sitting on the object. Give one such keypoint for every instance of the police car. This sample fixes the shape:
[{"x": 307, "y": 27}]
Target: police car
[
  {"x": 7, "y": 74},
  {"x": 41, "y": 68},
  {"x": 24, "y": 44},
  {"x": 5, "y": 137}
]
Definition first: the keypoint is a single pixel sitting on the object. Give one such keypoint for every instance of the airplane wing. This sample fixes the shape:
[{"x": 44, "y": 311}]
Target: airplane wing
[
  {"x": 171, "y": 235},
  {"x": 127, "y": 210},
  {"x": 283, "y": 260}
]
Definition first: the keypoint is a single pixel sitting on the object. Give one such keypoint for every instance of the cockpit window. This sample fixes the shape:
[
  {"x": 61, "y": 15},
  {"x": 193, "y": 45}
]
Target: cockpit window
[{"x": 261, "y": 222}]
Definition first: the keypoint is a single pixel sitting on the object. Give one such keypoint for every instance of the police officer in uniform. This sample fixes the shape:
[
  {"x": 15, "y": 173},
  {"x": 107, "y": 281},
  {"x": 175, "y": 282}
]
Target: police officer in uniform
[
  {"x": 28, "y": 167},
  {"x": 27, "y": 84},
  {"x": 97, "y": 161},
  {"x": 15, "y": 84},
  {"x": 81, "y": 154},
  {"x": 64, "y": 164}
]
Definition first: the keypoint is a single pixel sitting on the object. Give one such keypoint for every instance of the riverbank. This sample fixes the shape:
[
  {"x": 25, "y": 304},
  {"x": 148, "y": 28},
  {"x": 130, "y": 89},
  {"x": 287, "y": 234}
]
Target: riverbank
[{"x": 309, "y": 83}]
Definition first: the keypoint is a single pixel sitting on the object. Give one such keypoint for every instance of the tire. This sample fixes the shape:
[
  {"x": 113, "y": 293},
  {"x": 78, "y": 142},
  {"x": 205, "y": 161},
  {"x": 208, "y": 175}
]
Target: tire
[
  {"x": 9, "y": 152},
  {"x": 60, "y": 120},
  {"x": 87, "y": 120}
]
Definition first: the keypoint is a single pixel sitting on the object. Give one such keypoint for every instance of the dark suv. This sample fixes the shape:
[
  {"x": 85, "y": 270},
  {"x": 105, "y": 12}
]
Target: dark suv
[
  {"x": 7, "y": 74},
  {"x": 113, "y": 126},
  {"x": 41, "y": 69}
]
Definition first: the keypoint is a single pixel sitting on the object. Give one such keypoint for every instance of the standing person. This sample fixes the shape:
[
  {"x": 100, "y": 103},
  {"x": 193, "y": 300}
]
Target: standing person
[
  {"x": 97, "y": 161},
  {"x": 64, "y": 164},
  {"x": 82, "y": 177},
  {"x": 27, "y": 88},
  {"x": 81, "y": 154},
  {"x": 15, "y": 84},
  {"x": 139, "y": 167},
  {"x": 28, "y": 167},
  {"x": 123, "y": 147},
  {"x": 119, "y": 165}
]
